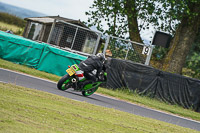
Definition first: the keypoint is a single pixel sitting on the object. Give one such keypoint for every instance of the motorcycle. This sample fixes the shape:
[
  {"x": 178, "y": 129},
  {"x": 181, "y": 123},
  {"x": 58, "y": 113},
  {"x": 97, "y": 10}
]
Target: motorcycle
[{"x": 73, "y": 79}]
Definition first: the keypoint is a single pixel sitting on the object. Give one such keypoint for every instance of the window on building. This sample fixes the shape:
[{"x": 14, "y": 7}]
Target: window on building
[
  {"x": 34, "y": 31},
  {"x": 89, "y": 45}
]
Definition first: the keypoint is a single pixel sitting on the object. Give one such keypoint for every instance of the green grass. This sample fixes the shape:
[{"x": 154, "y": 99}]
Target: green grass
[
  {"x": 25, "y": 69},
  {"x": 121, "y": 94},
  {"x": 11, "y": 22},
  {"x": 16, "y": 30},
  {"x": 24, "y": 110},
  {"x": 151, "y": 103}
]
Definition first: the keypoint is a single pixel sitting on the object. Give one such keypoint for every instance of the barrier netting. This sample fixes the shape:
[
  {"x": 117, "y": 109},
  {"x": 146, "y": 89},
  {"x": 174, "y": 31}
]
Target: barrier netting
[{"x": 172, "y": 88}]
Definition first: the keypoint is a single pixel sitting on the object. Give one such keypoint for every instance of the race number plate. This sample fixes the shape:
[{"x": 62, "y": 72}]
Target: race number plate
[
  {"x": 70, "y": 71},
  {"x": 146, "y": 50}
]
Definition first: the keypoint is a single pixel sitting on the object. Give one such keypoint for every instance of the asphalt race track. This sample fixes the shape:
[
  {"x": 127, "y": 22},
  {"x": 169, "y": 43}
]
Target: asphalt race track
[{"x": 20, "y": 79}]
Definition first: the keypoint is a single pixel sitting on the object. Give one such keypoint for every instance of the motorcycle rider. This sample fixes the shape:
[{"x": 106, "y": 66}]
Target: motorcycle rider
[{"x": 94, "y": 62}]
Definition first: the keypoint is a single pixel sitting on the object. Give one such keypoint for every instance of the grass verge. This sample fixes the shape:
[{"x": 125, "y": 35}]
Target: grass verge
[
  {"x": 28, "y": 110},
  {"x": 16, "y": 30},
  {"x": 121, "y": 94}
]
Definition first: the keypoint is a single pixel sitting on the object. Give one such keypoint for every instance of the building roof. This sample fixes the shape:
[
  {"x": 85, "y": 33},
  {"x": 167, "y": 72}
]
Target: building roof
[
  {"x": 41, "y": 20},
  {"x": 50, "y": 19}
]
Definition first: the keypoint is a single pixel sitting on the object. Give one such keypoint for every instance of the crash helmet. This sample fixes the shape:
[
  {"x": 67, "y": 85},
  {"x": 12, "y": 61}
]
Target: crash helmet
[{"x": 101, "y": 56}]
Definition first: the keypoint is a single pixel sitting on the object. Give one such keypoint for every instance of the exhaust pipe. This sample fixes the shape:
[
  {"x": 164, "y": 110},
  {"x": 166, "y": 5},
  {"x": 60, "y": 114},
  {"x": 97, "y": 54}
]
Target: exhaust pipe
[{"x": 73, "y": 80}]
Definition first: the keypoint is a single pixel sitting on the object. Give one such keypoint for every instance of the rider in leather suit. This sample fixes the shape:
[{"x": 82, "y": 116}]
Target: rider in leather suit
[{"x": 92, "y": 63}]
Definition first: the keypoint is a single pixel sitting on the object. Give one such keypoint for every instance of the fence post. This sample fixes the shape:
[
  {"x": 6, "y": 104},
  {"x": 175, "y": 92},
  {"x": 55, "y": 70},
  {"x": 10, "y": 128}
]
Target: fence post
[
  {"x": 127, "y": 50},
  {"x": 150, "y": 52},
  {"x": 74, "y": 37},
  {"x": 51, "y": 32},
  {"x": 106, "y": 45},
  {"x": 149, "y": 56},
  {"x": 97, "y": 44}
]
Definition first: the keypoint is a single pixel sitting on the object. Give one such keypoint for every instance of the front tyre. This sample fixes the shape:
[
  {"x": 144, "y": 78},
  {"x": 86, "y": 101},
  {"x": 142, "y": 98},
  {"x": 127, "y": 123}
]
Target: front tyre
[
  {"x": 64, "y": 83},
  {"x": 89, "y": 91}
]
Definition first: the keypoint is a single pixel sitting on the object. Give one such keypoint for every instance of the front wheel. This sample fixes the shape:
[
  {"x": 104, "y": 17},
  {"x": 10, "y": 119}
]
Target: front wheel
[
  {"x": 89, "y": 91},
  {"x": 64, "y": 83}
]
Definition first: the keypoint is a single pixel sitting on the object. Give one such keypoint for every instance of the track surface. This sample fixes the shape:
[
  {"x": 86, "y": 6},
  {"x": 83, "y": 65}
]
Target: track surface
[{"x": 20, "y": 79}]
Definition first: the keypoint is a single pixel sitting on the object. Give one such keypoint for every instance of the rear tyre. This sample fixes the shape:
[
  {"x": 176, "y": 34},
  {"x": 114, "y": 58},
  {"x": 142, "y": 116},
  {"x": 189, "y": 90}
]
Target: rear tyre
[
  {"x": 64, "y": 83},
  {"x": 89, "y": 92}
]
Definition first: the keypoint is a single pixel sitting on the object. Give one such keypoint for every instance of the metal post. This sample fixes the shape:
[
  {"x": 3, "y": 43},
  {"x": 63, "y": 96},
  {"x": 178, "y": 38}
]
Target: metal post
[
  {"x": 106, "y": 45},
  {"x": 74, "y": 37},
  {"x": 149, "y": 56},
  {"x": 97, "y": 44},
  {"x": 51, "y": 32},
  {"x": 151, "y": 50},
  {"x": 127, "y": 51}
]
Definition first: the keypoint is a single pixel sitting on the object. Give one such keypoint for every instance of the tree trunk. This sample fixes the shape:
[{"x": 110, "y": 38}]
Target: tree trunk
[
  {"x": 133, "y": 29},
  {"x": 132, "y": 21},
  {"x": 181, "y": 44}
]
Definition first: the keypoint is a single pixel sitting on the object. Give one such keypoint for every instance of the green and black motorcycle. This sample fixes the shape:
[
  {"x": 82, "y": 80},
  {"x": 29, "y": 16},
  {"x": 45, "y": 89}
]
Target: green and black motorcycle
[{"x": 73, "y": 78}]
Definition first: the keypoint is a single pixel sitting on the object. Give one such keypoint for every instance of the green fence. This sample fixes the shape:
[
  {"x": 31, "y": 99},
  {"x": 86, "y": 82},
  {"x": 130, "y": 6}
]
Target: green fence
[{"x": 40, "y": 56}]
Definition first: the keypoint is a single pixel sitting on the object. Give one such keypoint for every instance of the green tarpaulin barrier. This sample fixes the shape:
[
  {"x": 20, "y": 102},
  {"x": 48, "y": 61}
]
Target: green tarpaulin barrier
[
  {"x": 40, "y": 56},
  {"x": 20, "y": 50},
  {"x": 54, "y": 60}
]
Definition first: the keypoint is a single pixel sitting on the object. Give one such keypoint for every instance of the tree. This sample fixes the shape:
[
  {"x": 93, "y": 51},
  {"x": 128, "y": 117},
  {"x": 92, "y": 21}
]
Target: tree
[
  {"x": 121, "y": 16},
  {"x": 193, "y": 60},
  {"x": 179, "y": 17},
  {"x": 188, "y": 13},
  {"x": 182, "y": 20}
]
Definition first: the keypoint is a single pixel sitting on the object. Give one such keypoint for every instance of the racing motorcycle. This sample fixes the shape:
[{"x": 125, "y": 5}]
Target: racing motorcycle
[{"x": 73, "y": 79}]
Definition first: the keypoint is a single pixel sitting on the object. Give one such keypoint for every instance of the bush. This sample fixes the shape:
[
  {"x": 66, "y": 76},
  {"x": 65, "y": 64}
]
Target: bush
[
  {"x": 193, "y": 59},
  {"x": 11, "y": 19}
]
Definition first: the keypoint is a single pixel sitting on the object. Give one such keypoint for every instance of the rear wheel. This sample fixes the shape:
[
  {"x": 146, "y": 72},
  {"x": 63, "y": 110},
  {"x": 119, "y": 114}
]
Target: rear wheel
[
  {"x": 89, "y": 92},
  {"x": 64, "y": 83}
]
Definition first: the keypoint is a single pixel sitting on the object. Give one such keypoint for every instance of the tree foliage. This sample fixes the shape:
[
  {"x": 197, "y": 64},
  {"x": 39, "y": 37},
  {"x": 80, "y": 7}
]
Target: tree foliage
[
  {"x": 188, "y": 12},
  {"x": 108, "y": 12},
  {"x": 181, "y": 18},
  {"x": 120, "y": 17},
  {"x": 165, "y": 15},
  {"x": 193, "y": 59}
]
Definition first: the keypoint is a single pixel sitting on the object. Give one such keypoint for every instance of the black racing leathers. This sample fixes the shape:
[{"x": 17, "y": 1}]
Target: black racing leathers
[{"x": 90, "y": 64}]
